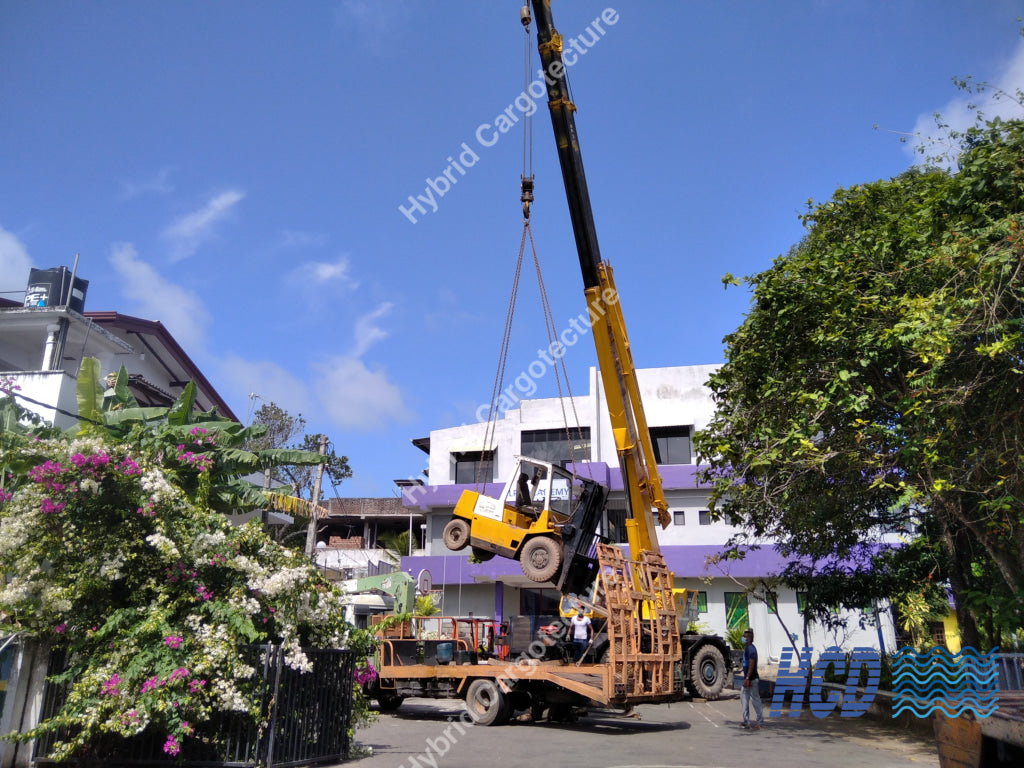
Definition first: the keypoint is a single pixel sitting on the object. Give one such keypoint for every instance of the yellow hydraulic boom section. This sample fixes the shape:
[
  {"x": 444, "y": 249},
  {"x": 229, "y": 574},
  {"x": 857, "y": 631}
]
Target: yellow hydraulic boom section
[{"x": 629, "y": 424}]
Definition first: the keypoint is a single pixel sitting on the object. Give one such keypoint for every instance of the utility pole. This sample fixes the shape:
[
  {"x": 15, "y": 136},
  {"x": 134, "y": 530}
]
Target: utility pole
[
  {"x": 265, "y": 513},
  {"x": 311, "y": 531}
]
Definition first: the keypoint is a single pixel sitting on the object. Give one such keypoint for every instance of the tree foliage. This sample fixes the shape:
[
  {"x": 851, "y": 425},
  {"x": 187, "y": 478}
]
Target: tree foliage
[
  {"x": 283, "y": 431},
  {"x": 114, "y": 547},
  {"x": 876, "y": 383}
]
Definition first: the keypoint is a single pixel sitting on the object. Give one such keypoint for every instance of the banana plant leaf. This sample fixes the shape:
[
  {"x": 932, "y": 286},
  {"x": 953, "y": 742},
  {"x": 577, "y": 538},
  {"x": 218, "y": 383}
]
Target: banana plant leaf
[{"x": 89, "y": 390}]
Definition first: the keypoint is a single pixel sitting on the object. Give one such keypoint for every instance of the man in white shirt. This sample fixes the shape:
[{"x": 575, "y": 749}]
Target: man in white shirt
[{"x": 581, "y": 632}]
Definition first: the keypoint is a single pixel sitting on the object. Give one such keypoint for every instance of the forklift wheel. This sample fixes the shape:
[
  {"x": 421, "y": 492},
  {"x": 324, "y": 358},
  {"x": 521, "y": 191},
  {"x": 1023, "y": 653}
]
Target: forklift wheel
[
  {"x": 456, "y": 534},
  {"x": 541, "y": 559}
]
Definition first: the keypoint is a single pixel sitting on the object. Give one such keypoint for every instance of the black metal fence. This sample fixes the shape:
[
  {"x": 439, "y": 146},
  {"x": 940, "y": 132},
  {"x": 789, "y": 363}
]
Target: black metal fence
[{"x": 306, "y": 720}]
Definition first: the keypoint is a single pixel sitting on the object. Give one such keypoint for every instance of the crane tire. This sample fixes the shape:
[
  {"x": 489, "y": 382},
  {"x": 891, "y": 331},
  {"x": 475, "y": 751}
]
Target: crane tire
[
  {"x": 456, "y": 534},
  {"x": 707, "y": 673},
  {"x": 486, "y": 703},
  {"x": 541, "y": 558}
]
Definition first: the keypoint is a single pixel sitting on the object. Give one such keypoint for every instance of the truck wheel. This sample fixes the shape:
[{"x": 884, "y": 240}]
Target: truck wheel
[
  {"x": 482, "y": 555},
  {"x": 389, "y": 702},
  {"x": 707, "y": 673},
  {"x": 541, "y": 558},
  {"x": 456, "y": 534},
  {"x": 486, "y": 703}
]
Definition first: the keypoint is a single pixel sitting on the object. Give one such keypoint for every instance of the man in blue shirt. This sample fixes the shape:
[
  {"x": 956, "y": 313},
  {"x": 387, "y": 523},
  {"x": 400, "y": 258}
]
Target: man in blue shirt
[{"x": 750, "y": 691}]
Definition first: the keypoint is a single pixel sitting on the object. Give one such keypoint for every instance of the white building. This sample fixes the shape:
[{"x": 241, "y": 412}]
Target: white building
[
  {"x": 676, "y": 403},
  {"x": 42, "y": 348}
]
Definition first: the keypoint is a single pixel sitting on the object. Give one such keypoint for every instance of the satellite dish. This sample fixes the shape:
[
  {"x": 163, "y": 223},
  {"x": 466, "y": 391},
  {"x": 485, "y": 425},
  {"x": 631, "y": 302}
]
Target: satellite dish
[{"x": 424, "y": 582}]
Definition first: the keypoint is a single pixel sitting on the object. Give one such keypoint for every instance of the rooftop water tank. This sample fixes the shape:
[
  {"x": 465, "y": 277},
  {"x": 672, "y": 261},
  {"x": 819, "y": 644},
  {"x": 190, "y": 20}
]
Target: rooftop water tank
[{"x": 52, "y": 288}]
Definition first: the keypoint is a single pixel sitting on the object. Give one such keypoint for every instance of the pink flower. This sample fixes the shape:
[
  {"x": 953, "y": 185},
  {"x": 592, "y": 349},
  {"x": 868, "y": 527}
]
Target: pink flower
[
  {"x": 195, "y": 686},
  {"x": 150, "y": 684},
  {"x": 110, "y": 687},
  {"x": 129, "y": 467},
  {"x": 179, "y": 672},
  {"x": 173, "y": 641},
  {"x": 171, "y": 746},
  {"x": 48, "y": 507},
  {"x": 59, "y": 629}
]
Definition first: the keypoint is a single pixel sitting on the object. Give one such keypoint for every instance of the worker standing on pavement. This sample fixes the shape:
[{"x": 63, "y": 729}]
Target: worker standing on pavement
[
  {"x": 751, "y": 690},
  {"x": 581, "y": 631}
]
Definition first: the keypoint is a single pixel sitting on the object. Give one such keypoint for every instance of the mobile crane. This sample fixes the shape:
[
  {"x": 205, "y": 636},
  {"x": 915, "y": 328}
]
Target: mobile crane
[
  {"x": 547, "y": 518},
  {"x": 541, "y": 543}
]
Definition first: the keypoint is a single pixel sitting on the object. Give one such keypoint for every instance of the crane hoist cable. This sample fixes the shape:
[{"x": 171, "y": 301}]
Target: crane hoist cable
[{"x": 526, "y": 198}]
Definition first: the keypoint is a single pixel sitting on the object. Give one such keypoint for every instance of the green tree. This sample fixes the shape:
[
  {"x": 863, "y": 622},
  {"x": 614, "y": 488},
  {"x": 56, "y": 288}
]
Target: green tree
[
  {"x": 876, "y": 383},
  {"x": 283, "y": 431}
]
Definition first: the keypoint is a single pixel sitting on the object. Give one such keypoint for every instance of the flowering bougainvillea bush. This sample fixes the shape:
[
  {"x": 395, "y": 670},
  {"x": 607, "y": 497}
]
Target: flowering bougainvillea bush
[{"x": 111, "y": 552}]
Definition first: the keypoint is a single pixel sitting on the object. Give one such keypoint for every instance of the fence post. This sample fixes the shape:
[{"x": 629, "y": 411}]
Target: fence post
[{"x": 276, "y": 653}]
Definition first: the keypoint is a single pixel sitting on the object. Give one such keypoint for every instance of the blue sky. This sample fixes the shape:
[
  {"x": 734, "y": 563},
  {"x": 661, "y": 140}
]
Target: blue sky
[{"x": 236, "y": 170}]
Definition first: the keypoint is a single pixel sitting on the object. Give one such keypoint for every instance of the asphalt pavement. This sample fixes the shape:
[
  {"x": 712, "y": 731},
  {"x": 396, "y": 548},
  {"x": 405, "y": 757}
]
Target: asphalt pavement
[{"x": 429, "y": 733}]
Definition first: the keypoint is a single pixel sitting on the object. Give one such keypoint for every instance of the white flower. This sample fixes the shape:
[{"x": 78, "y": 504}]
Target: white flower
[
  {"x": 87, "y": 446},
  {"x": 294, "y": 656},
  {"x": 156, "y": 485},
  {"x": 279, "y": 583},
  {"x": 161, "y": 543},
  {"x": 111, "y": 569},
  {"x": 229, "y": 696},
  {"x": 88, "y": 485},
  {"x": 204, "y": 542}
]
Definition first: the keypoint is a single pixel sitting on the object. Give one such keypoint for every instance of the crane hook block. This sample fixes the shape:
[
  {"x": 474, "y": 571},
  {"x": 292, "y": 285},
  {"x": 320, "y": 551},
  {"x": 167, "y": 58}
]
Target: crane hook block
[
  {"x": 524, "y": 16},
  {"x": 526, "y": 184}
]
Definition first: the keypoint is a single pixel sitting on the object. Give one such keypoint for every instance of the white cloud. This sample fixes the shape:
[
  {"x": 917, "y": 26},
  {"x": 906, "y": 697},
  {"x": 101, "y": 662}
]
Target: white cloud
[
  {"x": 995, "y": 101},
  {"x": 294, "y": 238},
  {"x": 188, "y": 232},
  {"x": 376, "y": 25},
  {"x": 14, "y": 264},
  {"x": 356, "y": 398},
  {"x": 155, "y": 298},
  {"x": 312, "y": 273},
  {"x": 367, "y": 333},
  {"x": 268, "y": 380},
  {"x": 157, "y": 184}
]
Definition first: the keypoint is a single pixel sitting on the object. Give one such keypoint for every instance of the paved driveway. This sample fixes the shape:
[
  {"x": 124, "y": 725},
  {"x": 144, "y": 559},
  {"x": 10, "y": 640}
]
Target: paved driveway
[{"x": 429, "y": 733}]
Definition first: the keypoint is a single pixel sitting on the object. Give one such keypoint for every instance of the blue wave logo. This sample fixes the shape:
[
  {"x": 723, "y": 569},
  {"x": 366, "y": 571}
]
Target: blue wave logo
[{"x": 950, "y": 683}]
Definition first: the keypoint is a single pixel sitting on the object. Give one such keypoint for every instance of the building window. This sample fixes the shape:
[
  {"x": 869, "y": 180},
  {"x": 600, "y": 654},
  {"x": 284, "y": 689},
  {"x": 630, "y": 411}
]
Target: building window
[
  {"x": 539, "y": 602},
  {"x": 679, "y": 517},
  {"x": 473, "y": 467},
  {"x": 801, "y": 601},
  {"x": 705, "y": 517},
  {"x": 770, "y": 601},
  {"x": 736, "y": 614},
  {"x": 554, "y": 445},
  {"x": 671, "y": 444},
  {"x": 616, "y": 523},
  {"x": 702, "y": 601}
]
